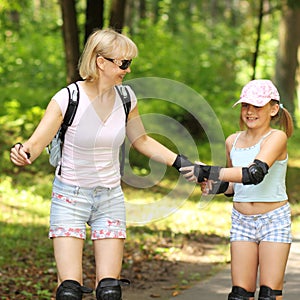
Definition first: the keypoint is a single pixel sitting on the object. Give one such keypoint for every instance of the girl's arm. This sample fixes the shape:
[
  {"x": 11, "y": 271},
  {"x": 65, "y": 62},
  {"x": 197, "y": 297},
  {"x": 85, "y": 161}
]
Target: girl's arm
[
  {"x": 273, "y": 148},
  {"x": 40, "y": 138}
]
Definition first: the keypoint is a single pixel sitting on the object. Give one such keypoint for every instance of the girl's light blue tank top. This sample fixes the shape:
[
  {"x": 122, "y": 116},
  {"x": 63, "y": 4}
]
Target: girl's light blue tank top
[{"x": 271, "y": 189}]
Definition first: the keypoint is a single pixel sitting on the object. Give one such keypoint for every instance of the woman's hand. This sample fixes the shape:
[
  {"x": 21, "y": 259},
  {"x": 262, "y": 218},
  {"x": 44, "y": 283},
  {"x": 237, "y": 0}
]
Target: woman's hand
[
  {"x": 19, "y": 155},
  {"x": 188, "y": 172}
]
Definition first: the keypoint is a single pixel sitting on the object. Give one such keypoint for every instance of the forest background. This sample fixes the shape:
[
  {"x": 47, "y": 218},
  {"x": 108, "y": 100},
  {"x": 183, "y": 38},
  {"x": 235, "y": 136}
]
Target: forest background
[{"x": 199, "y": 53}]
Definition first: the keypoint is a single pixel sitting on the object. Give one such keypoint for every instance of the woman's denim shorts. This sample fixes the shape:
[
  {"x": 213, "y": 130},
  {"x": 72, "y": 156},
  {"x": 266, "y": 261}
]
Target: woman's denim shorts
[
  {"x": 274, "y": 226},
  {"x": 72, "y": 207}
]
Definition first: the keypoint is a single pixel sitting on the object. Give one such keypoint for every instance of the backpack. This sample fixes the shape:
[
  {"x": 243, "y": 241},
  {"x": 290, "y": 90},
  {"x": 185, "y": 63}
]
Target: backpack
[{"x": 55, "y": 147}]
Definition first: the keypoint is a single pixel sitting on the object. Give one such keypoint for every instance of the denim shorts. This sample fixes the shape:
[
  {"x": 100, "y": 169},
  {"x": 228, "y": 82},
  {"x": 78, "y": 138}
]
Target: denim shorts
[
  {"x": 72, "y": 207},
  {"x": 273, "y": 226}
]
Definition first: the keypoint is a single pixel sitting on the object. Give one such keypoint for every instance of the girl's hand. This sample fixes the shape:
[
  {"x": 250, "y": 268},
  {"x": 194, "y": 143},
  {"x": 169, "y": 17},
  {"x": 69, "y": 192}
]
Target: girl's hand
[
  {"x": 206, "y": 187},
  {"x": 19, "y": 156}
]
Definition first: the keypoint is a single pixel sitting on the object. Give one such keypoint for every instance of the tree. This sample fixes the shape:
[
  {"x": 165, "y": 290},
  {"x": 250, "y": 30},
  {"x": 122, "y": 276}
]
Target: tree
[
  {"x": 117, "y": 13},
  {"x": 71, "y": 39},
  {"x": 287, "y": 59},
  {"x": 94, "y": 16}
]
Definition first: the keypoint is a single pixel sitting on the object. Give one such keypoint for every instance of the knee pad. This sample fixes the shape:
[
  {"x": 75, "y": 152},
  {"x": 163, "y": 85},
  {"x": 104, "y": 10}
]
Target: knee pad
[
  {"x": 71, "y": 290},
  {"x": 238, "y": 293},
  {"x": 266, "y": 293},
  {"x": 110, "y": 289}
]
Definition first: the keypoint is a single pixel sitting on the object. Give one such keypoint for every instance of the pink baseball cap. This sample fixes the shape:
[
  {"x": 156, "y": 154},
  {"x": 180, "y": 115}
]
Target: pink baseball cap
[{"x": 258, "y": 92}]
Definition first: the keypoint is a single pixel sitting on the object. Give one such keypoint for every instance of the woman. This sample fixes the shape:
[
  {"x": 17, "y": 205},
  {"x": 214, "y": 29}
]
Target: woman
[
  {"x": 261, "y": 220},
  {"x": 87, "y": 188}
]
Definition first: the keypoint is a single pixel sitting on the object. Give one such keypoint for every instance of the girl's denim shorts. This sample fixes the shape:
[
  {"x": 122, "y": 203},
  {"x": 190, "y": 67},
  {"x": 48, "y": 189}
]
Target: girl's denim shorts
[
  {"x": 274, "y": 226},
  {"x": 72, "y": 207}
]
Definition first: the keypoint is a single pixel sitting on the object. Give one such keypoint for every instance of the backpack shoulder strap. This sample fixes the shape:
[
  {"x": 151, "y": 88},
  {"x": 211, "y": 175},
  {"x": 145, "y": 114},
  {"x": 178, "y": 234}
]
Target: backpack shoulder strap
[
  {"x": 71, "y": 109},
  {"x": 125, "y": 97}
]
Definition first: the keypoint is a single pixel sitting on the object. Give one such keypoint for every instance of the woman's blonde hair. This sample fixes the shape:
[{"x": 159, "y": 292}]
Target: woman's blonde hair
[
  {"x": 107, "y": 43},
  {"x": 283, "y": 119}
]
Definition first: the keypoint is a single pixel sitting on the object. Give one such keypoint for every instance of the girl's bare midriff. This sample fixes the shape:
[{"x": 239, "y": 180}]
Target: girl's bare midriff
[{"x": 255, "y": 208}]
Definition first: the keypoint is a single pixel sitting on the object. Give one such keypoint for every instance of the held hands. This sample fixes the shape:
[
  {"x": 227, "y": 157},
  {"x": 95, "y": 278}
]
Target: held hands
[
  {"x": 207, "y": 176},
  {"x": 190, "y": 172},
  {"x": 200, "y": 172},
  {"x": 19, "y": 156}
]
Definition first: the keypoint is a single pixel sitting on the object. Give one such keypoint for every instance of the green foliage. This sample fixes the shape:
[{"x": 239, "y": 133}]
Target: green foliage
[{"x": 206, "y": 47}]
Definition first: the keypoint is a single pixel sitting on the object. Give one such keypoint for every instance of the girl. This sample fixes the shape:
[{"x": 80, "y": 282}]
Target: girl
[{"x": 257, "y": 158}]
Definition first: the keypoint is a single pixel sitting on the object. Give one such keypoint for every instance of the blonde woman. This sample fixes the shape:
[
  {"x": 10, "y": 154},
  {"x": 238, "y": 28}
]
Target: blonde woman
[{"x": 86, "y": 189}]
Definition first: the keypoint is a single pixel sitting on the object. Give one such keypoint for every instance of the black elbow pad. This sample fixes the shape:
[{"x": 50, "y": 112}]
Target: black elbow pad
[{"x": 255, "y": 173}]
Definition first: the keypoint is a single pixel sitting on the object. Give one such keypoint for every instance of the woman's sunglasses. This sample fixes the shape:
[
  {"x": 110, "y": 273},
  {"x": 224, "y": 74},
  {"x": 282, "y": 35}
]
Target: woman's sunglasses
[{"x": 122, "y": 64}]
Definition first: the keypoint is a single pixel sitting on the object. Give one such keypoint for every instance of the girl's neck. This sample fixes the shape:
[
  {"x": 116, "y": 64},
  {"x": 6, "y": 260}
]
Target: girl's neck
[{"x": 257, "y": 133}]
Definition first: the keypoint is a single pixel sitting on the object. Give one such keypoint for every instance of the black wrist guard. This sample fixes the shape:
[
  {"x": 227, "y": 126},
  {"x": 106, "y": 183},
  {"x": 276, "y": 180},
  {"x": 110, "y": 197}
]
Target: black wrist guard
[
  {"x": 206, "y": 172},
  {"x": 181, "y": 161},
  {"x": 219, "y": 187}
]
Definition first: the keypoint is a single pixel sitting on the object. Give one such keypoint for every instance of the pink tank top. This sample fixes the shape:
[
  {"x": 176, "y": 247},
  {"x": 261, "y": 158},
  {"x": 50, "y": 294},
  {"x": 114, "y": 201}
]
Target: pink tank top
[{"x": 90, "y": 155}]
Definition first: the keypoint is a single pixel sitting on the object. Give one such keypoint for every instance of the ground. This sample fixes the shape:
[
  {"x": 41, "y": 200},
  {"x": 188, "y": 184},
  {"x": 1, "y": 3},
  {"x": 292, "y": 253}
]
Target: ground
[
  {"x": 166, "y": 276},
  {"x": 157, "y": 268}
]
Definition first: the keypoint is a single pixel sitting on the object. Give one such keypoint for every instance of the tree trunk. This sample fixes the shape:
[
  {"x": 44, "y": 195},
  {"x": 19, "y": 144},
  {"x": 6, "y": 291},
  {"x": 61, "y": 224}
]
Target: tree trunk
[
  {"x": 286, "y": 64},
  {"x": 71, "y": 40},
  {"x": 117, "y": 13},
  {"x": 94, "y": 16}
]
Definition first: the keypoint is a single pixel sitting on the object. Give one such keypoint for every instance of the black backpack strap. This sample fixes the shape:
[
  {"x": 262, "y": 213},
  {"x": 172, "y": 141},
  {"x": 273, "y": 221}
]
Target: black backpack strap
[
  {"x": 125, "y": 97},
  {"x": 69, "y": 115},
  {"x": 71, "y": 110}
]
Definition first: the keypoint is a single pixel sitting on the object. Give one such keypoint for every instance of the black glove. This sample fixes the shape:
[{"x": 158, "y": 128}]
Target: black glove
[
  {"x": 181, "y": 161},
  {"x": 219, "y": 187},
  {"x": 206, "y": 172}
]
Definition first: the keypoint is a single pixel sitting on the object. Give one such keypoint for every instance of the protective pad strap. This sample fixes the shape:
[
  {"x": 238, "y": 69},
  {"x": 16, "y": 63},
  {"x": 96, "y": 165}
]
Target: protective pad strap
[
  {"x": 110, "y": 289},
  {"x": 219, "y": 187},
  {"x": 105, "y": 282},
  {"x": 266, "y": 293},
  {"x": 181, "y": 161},
  {"x": 239, "y": 293},
  {"x": 206, "y": 172}
]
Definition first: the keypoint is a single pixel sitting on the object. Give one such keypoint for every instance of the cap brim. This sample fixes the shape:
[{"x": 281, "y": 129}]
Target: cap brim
[
  {"x": 252, "y": 102},
  {"x": 237, "y": 102}
]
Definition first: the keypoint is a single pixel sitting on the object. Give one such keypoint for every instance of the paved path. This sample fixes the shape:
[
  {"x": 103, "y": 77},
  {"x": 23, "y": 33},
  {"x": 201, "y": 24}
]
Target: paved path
[{"x": 218, "y": 287}]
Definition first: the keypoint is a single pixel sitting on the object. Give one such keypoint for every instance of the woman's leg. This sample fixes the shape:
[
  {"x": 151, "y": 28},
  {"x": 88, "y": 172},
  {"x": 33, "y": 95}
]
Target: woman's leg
[
  {"x": 108, "y": 257},
  {"x": 244, "y": 265},
  {"x": 273, "y": 258},
  {"x": 68, "y": 257}
]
